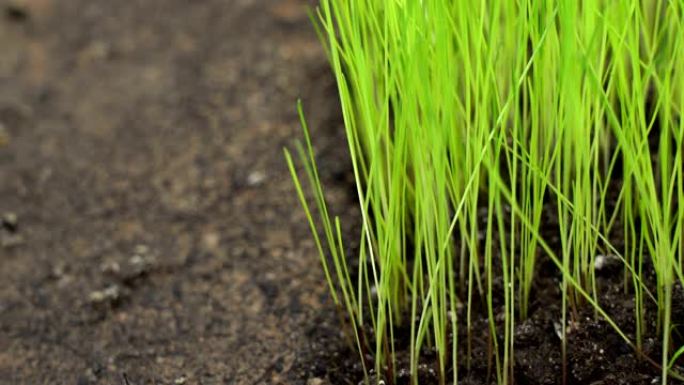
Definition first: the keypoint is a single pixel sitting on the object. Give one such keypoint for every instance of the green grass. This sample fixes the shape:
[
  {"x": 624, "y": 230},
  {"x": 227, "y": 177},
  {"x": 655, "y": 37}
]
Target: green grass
[{"x": 465, "y": 121}]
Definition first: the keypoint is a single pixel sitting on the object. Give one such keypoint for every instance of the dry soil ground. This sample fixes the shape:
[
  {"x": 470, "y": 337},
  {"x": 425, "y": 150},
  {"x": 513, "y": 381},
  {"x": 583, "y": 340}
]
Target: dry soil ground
[{"x": 150, "y": 228}]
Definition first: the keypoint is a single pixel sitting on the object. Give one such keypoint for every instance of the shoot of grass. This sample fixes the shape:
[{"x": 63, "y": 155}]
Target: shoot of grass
[{"x": 467, "y": 125}]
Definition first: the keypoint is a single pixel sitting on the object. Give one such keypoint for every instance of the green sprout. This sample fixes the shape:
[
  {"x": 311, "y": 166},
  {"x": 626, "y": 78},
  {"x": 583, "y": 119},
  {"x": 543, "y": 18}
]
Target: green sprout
[{"x": 467, "y": 123}]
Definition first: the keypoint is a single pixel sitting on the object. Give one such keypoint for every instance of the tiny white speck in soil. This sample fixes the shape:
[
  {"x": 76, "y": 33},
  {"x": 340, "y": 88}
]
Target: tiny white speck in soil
[{"x": 256, "y": 178}]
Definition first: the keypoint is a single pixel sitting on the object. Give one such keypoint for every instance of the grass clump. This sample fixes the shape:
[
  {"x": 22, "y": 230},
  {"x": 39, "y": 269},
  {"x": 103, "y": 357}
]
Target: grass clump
[{"x": 467, "y": 124}]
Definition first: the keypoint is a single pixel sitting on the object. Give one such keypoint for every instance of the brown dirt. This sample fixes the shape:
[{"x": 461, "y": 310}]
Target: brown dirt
[{"x": 157, "y": 234}]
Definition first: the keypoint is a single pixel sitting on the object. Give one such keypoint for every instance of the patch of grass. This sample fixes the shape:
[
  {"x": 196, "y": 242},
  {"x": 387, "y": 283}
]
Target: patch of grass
[{"x": 465, "y": 121}]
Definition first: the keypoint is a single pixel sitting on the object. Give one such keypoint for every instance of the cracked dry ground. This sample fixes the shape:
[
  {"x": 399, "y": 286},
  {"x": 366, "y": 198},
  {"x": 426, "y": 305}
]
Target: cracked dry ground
[{"x": 150, "y": 226}]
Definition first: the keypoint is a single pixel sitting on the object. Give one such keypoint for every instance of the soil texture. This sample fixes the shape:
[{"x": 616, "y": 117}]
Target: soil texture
[{"x": 149, "y": 230}]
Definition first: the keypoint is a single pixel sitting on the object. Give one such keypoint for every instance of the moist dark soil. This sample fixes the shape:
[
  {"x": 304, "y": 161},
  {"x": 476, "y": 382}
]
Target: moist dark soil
[
  {"x": 596, "y": 353},
  {"x": 149, "y": 231}
]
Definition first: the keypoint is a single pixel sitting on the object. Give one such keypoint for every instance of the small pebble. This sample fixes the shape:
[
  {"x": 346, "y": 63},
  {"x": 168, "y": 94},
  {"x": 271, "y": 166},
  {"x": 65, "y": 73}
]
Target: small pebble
[
  {"x": 256, "y": 178},
  {"x": 603, "y": 261},
  {"x": 137, "y": 267},
  {"x": 136, "y": 260},
  {"x": 109, "y": 294},
  {"x": 558, "y": 329},
  {"x": 600, "y": 262},
  {"x": 10, "y": 222},
  {"x": 142, "y": 263}
]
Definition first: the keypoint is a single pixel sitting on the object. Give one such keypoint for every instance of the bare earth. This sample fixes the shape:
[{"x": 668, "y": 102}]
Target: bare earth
[{"x": 157, "y": 237}]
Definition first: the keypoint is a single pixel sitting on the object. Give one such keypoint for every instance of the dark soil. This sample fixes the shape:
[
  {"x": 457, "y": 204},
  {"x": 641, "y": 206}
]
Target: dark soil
[
  {"x": 596, "y": 354},
  {"x": 149, "y": 230}
]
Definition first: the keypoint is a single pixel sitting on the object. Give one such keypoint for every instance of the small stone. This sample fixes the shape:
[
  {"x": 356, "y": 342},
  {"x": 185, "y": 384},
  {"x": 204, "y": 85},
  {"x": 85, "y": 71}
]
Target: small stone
[
  {"x": 138, "y": 266},
  {"x": 601, "y": 262},
  {"x": 180, "y": 380},
  {"x": 109, "y": 294},
  {"x": 315, "y": 381},
  {"x": 256, "y": 178},
  {"x": 136, "y": 260},
  {"x": 10, "y": 222},
  {"x": 211, "y": 240},
  {"x": 96, "y": 296},
  {"x": 558, "y": 329},
  {"x": 142, "y": 263}
]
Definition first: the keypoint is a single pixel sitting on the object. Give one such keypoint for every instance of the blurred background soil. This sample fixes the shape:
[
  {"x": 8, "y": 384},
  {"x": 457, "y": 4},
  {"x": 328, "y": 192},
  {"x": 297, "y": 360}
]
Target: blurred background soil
[{"x": 150, "y": 232}]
